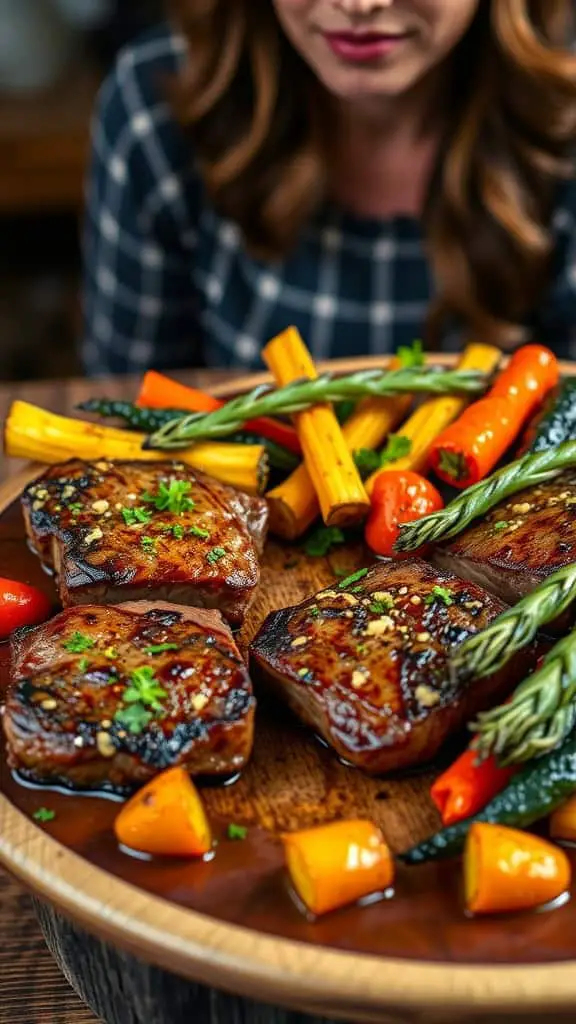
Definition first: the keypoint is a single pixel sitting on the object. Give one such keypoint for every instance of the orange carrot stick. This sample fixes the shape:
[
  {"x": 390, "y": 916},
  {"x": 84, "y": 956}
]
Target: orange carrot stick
[
  {"x": 336, "y": 864},
  {"x": 468, "y": 785},
  {"x": 160, "y": 392},
  {"x": 165, "y": 818},
  {"x": 506, "y": 869},
  {"x": 471, "y": 446},
  {"x": 563, "y": 821}
]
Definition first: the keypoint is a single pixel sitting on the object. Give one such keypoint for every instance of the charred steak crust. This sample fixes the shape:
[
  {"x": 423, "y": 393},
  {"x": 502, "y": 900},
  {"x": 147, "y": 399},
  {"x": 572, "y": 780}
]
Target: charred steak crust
[
  {"x": 74, "y": 679},
  {"x": 366, "y": 666},
  {"x": 97, "y": 525},
  {"x": 520, "y": 542}
]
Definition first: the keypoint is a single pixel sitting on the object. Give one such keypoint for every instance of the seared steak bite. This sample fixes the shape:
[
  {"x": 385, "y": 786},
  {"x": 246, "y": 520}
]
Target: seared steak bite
[
  {"x": 105, "y": 698},
  {"x": 146, "y": 530},
  {"x": 520, "y": 542},
  {"x": 365, "y": 664}
]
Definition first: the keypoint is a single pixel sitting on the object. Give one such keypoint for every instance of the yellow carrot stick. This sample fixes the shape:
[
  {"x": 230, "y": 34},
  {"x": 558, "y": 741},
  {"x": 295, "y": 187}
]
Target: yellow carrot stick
[
  {"x": 33, "y": 433},
  {"x": 336, "y": 481},
  {"x": 430, "y": 418}
]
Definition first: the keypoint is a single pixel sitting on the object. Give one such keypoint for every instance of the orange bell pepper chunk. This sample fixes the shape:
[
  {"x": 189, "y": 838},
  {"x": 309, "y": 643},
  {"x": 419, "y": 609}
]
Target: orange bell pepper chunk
[
  {"x": 506, "y": 869},
  {"x": 165, "y": 818},
  {"x": 333, "y": 865}
]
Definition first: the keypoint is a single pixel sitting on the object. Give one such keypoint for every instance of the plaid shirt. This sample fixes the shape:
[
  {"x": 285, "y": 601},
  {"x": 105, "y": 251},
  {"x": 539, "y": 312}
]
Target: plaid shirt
[{"x": 168, "y": 283}]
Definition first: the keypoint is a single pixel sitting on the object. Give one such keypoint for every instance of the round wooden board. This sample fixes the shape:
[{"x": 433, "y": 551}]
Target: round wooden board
[{"x": 231, "y": 923}]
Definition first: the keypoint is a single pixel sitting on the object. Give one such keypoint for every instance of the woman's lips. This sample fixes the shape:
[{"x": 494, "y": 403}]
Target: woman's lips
[{"x": 358, "y": 48}]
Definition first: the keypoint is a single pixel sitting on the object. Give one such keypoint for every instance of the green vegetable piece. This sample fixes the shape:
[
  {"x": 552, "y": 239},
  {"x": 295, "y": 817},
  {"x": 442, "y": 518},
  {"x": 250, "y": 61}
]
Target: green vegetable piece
[
  {"x": 439, "y": 594},
  {"x": 502, "y": 524},
  {"x": 542, "y": 786},
  {"x": 453, "y": 464},
  {"x": 367, "y": 461},
  {"x": 171, "y": 496},
  {"x": 148, "y": 544},
  {"x": 134, "y": 516},
  {"x": 353, "y": 578},
  {"x": 134, "y": 718},
  {"x": 196, "y": 531},
  {"x": 397, "y": 447},
  {"x": 215, "y": 555},
  {"x": 237, "y": 831},
  {"x": 411, "y": 355},
  {"x": 44, "y": 814},
  {"x": 78, "y": 643},
  {"x": 144, "y": 688},
  {"x": 322, "y": 540},
  {"x": 160, "y": 648},
  {"x": 380, "y": 607},
  {"x": 83, "y": 664}
]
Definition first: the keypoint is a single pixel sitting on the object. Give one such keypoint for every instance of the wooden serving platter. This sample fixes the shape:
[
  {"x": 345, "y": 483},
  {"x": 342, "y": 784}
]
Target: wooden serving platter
[{"x": 231, "y": 922}]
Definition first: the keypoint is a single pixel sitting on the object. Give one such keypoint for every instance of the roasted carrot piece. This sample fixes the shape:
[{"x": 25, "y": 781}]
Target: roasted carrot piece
[
  {"x": 341, "y": 495},
  {"x": 332, "y": 865},
  {"x": 468, "y": 785},
  {"x": 160, "y": 392},
  {"x": 469, "y": 448},
  {"x": 166, "y": 818},
  {"x": 563, "y": 821},
  {"x": 434, "y": 415},
  {"x": 506, "y": 869}
]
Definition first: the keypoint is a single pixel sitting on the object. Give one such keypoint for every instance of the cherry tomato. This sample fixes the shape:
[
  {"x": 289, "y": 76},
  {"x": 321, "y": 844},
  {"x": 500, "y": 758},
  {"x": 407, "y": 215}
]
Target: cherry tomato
[
  {"x": 20, "y": 605},
  {"x": 398, "y": 496}
]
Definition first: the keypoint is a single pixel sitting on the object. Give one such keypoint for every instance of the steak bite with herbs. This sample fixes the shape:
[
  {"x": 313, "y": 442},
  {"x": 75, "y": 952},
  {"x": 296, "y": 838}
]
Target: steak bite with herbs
[
  {"x": 519, "y": 542},
  {"x": 105, "y": 698},
  {"x": 365, "y": 663},
  {"x": 118, "y": 531}
]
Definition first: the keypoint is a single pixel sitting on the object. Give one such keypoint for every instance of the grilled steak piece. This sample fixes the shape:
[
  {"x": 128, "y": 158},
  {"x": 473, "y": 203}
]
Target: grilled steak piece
[
  {"x": 105, "y": 698},
  {"x": 520, "y": 542},
  {"x": 366, "y": 665},
  {"x": 138, "y": 530}
]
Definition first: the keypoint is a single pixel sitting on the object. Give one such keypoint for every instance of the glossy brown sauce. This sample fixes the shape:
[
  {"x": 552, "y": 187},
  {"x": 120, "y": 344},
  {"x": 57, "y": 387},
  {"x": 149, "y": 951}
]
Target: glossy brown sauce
[{"x": 293, "y": 781}]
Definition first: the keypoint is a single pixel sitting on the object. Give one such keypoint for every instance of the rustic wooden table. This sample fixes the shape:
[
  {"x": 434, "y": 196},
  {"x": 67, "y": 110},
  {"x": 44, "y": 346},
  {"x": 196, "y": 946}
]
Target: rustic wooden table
[{"x": 32, "y": 989}]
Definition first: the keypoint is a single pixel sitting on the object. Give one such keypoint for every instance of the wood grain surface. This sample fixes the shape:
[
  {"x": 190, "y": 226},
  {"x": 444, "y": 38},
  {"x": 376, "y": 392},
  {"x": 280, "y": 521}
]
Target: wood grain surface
[{"x": 32, "y": 988}]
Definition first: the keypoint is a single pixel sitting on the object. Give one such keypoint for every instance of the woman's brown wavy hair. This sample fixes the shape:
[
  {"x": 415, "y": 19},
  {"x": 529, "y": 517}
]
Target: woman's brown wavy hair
[{"x": 261, "y": 131}]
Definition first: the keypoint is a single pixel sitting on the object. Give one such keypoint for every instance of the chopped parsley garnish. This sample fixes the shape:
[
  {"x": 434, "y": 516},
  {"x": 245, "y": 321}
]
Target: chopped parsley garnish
[
  {"x": 453, "y": 464},
  {"x": 380, "y": 607},
  {"x": 83, "y": 664},
  {"x": 143, "y": 696},
  {"x": 144, "y": 688},
  {"x": 44, "y": 814},
  {"x": 74, "y": 508},
  {"x": 148, "y": 544},
  {"x": 78, "y": 643},
  {"x": 367, "y": 461},
  {"x": 321, "y": 540},
  {"x": 215, "y": 555},
  {"x": 411, "y": 355},
  {"x": 171, "y": 496},
  {"x": 196, "y": 531},
  {"x": 160, "y": 648},
  {"x": 354, "y": 578},
  {"x": 314, "y": 611},
  {"x": 439, "y": 594},
  {"x": 134, "y": 718},
  {"x": 177, "y": 531},
  {"x": 132, "y": 516},
  {"x": 397, "y": 447},
  {"x": 237, "y": 831},
  {"x": 501, "y": 525}
]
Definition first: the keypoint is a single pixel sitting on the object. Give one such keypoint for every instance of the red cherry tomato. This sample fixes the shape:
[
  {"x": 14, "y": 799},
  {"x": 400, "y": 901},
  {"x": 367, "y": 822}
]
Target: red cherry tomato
[
  {"x": 20, "y": 605},
  {"x": 398, "y": 496}
]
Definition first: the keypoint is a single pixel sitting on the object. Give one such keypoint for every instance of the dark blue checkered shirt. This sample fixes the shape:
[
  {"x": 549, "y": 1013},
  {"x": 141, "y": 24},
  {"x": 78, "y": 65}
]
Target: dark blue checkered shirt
[{"x": 168, "y": 283}]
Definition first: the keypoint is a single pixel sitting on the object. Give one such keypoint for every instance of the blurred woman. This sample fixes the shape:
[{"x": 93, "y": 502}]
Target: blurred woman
[{"x": 370, "y": 171}]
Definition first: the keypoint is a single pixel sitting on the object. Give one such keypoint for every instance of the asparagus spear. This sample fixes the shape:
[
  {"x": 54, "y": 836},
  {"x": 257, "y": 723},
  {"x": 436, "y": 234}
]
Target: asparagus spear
[
  {"x": 528, "y": 471},
  {"x": 541, "y": 713},
  {"x": 265, "y": 401},
  {"x": 485, "y": 652}
]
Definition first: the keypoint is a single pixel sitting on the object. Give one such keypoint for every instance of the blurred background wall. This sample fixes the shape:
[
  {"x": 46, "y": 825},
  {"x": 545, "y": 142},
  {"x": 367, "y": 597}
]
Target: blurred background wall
[{"x": 53, "y": 55}]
